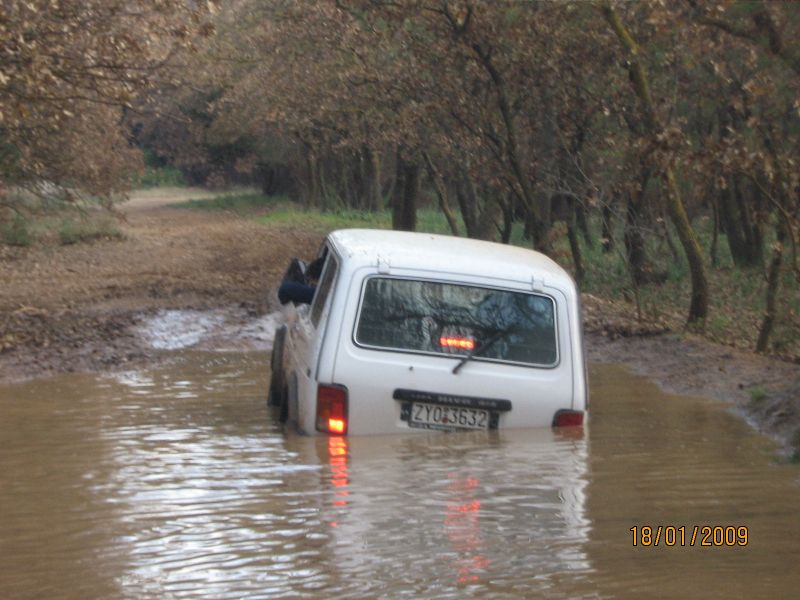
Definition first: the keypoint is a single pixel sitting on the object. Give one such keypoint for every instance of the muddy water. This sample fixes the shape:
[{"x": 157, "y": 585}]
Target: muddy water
[{"x": 178, "y": 483}]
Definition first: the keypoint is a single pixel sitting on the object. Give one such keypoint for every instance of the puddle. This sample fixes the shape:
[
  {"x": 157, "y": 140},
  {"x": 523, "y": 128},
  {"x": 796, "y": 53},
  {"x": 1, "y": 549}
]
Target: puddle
[
  {"x": 179, "y": 482},
  {"x": 229, "y": 330}
]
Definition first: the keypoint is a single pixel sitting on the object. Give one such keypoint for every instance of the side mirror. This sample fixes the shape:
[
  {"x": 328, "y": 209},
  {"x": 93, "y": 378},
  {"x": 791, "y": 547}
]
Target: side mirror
[{"x": 296, "y": 271}]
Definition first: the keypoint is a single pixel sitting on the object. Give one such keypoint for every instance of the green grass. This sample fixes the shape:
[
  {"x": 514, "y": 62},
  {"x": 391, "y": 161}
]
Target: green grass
[
  {"x": 795, "y": 457},
  {"x": 282, "y": 211},
  {"x": 158, "y": 173},
  {"x": 16, "y": 232},
  {"x": 96, "y": 227},
  {"x": 757, "y": 394},
  {"x": 160, "y": 177},
  {"x": 63, "y": 227},
  {"x": 428, "y": 220},
  {"x": 326, "y": 221}
]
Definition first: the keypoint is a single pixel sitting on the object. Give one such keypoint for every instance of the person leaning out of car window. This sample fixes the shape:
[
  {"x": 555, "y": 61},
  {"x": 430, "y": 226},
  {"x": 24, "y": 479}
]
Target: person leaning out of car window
[{"x": 299, "y": 292}]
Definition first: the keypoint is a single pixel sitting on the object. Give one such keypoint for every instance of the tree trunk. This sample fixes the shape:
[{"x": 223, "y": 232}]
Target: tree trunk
[
  {"x": 641, "y": 270},
  {"x": 607, "y": 233},
  {"x": 508, "y": 219},
  {"x": 673, "y": 249},
  {"x": 634, "y": 241},
  {"x": 773, "y": 280},
  {"x": 741, "y": 227},
  {"x": 391, "y": 188},
  {"x": 362, "y": 177},
  {"x": 698, "y": 307},
  {"x": 574, "y": 243},
  {"x": 715, "y": 236},
  {"x": 730, "y": 225},
  {"x": 404, "y": 211},
  {"x": 441, "y": 193},
  {"x": 538, "y": 229},
  {"x": 370, "y": 193},
  {"x": 469, "y": 211},
  {"x": 487, "y": 222},
  {"x": 325, "y": 194},
  {"x": 312, "y": 195},
  {"x": 748, "y": 206},
  {"x": 743, "y": 234},
  {"x": 583, "y": 223}
]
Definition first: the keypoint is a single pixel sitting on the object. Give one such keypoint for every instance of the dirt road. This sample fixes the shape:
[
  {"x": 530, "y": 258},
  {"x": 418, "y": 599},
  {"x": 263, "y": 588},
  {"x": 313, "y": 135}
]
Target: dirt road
[{"x": 67, "y": 308}]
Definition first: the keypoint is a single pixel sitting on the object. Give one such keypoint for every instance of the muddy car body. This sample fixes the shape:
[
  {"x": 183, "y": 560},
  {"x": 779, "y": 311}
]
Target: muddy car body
[{"x": 412, "y": 331}]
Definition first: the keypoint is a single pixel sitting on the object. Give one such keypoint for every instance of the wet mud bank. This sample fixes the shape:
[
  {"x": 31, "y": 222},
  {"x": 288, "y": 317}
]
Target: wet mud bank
[
  {"x": 764, "y": 391},
  {"x": 122, "y": 340}
]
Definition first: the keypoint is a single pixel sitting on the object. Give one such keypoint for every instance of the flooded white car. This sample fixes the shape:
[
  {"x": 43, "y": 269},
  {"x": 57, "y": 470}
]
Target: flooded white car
[{"x": 411, "y": 331}]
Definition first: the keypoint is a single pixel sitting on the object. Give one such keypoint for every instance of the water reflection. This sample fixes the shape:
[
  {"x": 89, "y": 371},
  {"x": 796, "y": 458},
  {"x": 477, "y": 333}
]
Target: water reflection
[
  {"x": 337, "y": 459},
  {"x": 442, "y": 514},
  {"x": 179, "y": 483},
  {"x": 463, "y": 529}
]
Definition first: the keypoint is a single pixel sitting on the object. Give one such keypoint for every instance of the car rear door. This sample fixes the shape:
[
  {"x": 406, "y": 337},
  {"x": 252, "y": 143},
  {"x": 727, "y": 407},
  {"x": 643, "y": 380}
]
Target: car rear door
[{"x": 377, "y": 377}]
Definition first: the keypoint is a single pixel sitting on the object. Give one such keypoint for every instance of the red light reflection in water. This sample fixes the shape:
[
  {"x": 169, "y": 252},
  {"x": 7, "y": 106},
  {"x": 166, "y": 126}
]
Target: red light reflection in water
[
  {"x": 337, "y": 458},
  {"x": 463, "y": 529}
]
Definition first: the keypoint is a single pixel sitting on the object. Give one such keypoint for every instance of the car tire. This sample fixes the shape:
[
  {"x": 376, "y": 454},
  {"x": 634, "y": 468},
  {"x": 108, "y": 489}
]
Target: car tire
[
  {"x": 284, "y": 416},
  {"x": 276, "y": 386}
]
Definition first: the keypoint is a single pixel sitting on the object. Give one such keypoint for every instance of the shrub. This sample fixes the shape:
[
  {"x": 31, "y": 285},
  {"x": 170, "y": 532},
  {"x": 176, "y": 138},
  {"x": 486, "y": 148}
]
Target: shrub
[
  {"x": 16, "y": 233},
  {"x": 73, "y": 232},
  {"x": 160, "y": 176}
]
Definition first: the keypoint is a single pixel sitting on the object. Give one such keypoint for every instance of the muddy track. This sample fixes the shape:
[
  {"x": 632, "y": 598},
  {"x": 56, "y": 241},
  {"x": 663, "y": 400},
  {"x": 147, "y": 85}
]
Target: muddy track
[
  {"x": 68, "y": 308},
  {"x": 76, "y": 308}
]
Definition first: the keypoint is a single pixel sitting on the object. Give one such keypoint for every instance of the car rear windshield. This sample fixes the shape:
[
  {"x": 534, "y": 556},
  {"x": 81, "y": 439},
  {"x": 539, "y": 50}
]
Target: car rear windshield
[{"x": 434, "y": 317}]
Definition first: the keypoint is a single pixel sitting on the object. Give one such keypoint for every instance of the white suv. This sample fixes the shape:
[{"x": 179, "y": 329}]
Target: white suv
[{"x": 412, "y": 331}]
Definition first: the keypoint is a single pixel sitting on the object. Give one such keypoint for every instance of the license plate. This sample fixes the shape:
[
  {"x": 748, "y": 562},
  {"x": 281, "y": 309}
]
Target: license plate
[{"x": 436, "y": 416}]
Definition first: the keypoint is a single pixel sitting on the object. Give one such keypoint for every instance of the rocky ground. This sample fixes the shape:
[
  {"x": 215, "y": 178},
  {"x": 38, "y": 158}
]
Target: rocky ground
[{"x": 76, "y": 307}]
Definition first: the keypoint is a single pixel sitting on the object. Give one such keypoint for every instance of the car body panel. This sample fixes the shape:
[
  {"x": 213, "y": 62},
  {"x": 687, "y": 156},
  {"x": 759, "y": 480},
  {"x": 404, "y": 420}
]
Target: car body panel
[{"x": 327, "y": 353}]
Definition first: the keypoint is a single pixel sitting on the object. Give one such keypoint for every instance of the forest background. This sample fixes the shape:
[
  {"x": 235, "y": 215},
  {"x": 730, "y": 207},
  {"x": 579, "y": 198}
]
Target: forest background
[{"x": 649, "y": 147}]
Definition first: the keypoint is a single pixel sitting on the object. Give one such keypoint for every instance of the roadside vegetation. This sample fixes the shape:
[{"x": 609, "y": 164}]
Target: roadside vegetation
[
  {"x": 48, "y": 221},
  {"x": 159, "y": 177},
  {"x": 248, "y": 203},
  {"x": 738, "y": 292}
]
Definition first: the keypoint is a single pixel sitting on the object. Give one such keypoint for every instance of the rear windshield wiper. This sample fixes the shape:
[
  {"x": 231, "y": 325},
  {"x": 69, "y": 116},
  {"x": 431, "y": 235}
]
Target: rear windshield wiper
[{"x": 486, "y": 345}]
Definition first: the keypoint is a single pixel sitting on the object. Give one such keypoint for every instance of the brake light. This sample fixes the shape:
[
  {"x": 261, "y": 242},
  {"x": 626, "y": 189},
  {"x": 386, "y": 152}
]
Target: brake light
[
  {"x": 568, "y": 418},
  {"x": 456, "y": 342},
  {"x": 332, "y": 409}
]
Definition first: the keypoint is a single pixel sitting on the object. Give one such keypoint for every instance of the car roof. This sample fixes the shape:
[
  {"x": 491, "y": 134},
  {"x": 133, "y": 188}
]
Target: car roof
[{"x": 446, "y": 254}]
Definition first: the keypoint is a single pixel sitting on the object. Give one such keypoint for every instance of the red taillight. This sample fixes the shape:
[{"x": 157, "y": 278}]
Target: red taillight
[
  {"x": 568, "y": 418},
  {"x": 332, "y": 409}
]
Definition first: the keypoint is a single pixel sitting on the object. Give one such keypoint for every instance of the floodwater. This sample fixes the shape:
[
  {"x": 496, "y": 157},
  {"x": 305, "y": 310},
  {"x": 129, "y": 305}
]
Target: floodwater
[{"x": 179, "y": 483}]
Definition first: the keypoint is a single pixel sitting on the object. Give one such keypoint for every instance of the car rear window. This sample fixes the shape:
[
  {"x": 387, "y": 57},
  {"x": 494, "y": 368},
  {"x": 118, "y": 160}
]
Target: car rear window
[{"x": 434, "y": 317}]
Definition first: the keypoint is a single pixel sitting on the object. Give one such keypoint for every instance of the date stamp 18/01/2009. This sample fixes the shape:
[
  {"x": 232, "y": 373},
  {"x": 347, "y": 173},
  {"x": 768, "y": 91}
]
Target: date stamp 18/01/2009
[{"x": 692, "y": 535}]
